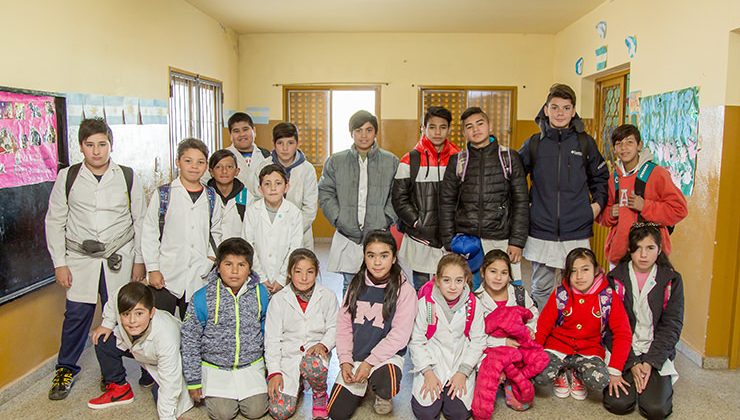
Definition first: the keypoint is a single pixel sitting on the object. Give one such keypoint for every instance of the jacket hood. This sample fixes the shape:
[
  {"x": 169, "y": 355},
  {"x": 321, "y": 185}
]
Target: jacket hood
[
  {"x": 424, "y": 145},
  {"x": 544, "y": 123},
  {"x": 370, "y": 153},
  {"x": 299, "y": 158},
  {"x": 599, "y": 276},
  {"x": 644, "y": 157},
  {"x": 238, "y": 187}
]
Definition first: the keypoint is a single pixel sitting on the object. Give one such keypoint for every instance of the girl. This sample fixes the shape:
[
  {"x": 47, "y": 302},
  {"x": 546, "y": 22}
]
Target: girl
[
  {"x": 653, "y": 300},
  {"x": 572, "y": 327},
  {"x": 299, "y": 335},
  {"x": 373, "y": 327},
  {"x": 447, "y": 343},
  {"x": 224, "y": 171}
]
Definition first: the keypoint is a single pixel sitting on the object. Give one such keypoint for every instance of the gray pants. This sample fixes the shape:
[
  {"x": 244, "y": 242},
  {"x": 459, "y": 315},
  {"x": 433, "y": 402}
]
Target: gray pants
[
  {"x": 543, "y": 281},
  {"x": 347, "y": 280},
  {"x": 591, "y": 370},
  {"x": 252, "y": 407}
]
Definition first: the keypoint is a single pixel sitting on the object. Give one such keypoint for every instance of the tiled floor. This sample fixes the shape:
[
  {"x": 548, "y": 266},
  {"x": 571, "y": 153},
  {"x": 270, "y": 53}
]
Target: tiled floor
[{"x": 699, "y": 394}]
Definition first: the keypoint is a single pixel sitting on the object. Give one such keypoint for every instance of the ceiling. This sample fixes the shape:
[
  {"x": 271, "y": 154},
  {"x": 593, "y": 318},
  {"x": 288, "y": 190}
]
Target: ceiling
[{"x": 445, "y": 16}]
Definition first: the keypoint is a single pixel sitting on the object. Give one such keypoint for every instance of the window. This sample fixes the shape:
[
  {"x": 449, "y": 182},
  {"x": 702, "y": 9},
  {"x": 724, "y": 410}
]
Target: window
[
  {"x": 322, "y": 114},
  {"x": 499, "y": 103},
  {"x": 196, "y": 110}
]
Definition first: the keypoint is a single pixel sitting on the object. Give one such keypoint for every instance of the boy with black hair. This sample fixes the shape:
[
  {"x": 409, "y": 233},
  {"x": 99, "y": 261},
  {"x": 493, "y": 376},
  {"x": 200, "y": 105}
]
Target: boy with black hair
[
  {"x": 484, "y": 193},
  {"x": 93, "y": 232},
  {"x": 250, "y": 158},
  {"x": 355, "y": 194},
  {"x": 415, "y": 195},
  {"x": 569, "y": 182}
]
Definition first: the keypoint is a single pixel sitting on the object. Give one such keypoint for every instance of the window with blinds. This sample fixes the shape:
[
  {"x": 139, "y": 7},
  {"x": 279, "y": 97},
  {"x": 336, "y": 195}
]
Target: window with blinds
[
  {"x": 499, "y": 103},
  {"x": 196, "y": 110}
]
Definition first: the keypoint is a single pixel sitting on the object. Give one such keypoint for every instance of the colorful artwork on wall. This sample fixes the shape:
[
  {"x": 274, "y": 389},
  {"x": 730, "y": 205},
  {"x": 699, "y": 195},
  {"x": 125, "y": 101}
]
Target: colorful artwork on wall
[
  {"x": 601, "y": 58},
  {"x": 631, "y": 43},
  {"x": 579, "y": 66}
]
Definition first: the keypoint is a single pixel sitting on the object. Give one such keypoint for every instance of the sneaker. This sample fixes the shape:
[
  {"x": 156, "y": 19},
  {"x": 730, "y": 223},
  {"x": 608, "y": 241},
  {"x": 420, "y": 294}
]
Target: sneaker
[
  {"x": 114, "y": 395},
  {"x": 61, "y": 384},
  {"x": 511, "y": 400},
  {"x": 382, "y": 406},
  {"x": 319, "y": 411},
  {"x": 146, "y": 380},
  {"x": 560, "y": 386},
  {"x": 577, "y": 389}
]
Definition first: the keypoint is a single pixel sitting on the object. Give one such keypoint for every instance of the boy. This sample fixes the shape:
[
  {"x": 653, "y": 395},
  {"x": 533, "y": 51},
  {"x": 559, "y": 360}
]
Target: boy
[
  {"x": 233, "y": 194},
  {"x": 273, "y": 225},
  {"x": 354, "y": 194},
  {"x": 149, "y": 336},
  {"x": 250, "y": 158},
  {"x": 222, "y": 338},
  {"x": 569, "y": 180},
  {"x": 640, "y": 190},
  {"x": 181, "y": 229},
  {"x": 484, "y": 193},
  {"x": 303, "y": 190},
  {"x": 93, "y": 232},
  {"x": 415, "y": 195}
]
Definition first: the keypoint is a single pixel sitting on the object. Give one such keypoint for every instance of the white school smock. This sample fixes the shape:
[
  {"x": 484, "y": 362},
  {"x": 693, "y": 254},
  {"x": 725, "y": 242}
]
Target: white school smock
[
  {"x": 488, "y": 305},
  {"x": 231, "y": 221},
  {"x": 273, "y": 241},
  {"x": 289, "y": 332},
  {"x": 304, "y": 193},
  {"x": 97, "y": 211},
  {"x": 249, "y": 172},
  {"x": 447, "y": 349},
  {"x": 182, "y": 255}
]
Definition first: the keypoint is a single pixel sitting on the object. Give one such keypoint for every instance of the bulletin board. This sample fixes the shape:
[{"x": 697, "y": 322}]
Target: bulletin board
[{"x": 33, "y": 147}]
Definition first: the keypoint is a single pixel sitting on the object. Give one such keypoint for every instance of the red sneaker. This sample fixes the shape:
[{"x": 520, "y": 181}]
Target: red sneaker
[
  {"x": 560, "y": 386},
  {"x": 114, "y": 395},
  {"x": 577, "y": 388}
]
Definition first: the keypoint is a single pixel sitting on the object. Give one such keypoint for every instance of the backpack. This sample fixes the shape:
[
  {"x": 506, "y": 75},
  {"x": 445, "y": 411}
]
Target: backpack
[
  {"x": 200, "y": 306},
  {"x": 164, "y": 203},
  {"x": 519, "y": 295},
  {"x": 640, "y": 183},
  {"x": 605, "y": 304},
  {"x": 426, "y": 293},
  {"x": 583, "y": 143},
  {"x": 461, "y": 168},
  {"x": 74, "y": 170}
]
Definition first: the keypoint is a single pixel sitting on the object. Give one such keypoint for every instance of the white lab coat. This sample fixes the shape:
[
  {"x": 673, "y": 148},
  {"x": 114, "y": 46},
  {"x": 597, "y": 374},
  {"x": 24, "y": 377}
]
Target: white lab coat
[
  {"x": 159, "y": 352},
  {"x": 97, "y": 211},
  {"x": 289, "y": 332},
  {"x": 182, "y": 255},
  {"x": 231, "y": 222},
  {"x": 447, "y": 349},
  {"x": 272, "y": 241},
  {"x": 485, "y": 300},
  {"x": 304, "y": 193},
  {"x": 249, "y": 173}
]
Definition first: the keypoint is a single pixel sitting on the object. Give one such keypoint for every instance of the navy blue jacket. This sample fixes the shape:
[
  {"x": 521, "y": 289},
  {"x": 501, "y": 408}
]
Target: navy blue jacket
[{"x": 563, "y": 184}]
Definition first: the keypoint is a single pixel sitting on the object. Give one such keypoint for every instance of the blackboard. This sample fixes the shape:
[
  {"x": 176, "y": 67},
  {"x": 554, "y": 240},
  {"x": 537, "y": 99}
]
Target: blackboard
[{"x": 25, "y": 264}]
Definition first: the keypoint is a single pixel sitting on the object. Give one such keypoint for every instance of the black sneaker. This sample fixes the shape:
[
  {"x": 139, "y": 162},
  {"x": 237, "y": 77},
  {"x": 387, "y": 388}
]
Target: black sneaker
[
  {"x": 61, "y": 384},
  {"x": 146, "y": 380}
]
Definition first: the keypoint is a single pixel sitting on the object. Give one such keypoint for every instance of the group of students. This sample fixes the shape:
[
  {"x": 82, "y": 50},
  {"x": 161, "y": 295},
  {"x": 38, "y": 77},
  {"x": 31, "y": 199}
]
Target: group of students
[{"x": 217, "y": 252}]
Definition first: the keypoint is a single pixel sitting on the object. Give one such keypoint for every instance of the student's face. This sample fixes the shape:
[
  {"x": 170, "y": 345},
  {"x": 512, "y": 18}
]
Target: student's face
[
  {"x": 303, "y": 275},
  {"x": 96, "y": 149},
  {"x": 627, "y": 149},
  {"x": 273, "y": 188},
  {"x": 234, "y": 270},
  {"x": 364, "y": 137},
  {"x": 476, "y": 130},
  {"x": 286, "y": 148},
  {"x": 225, "y": 171},
  {"x": 452, "y": 281},
  {"x": 436, "y": 130},
  {"x": 136, "y": 320},
  {"x": 496, "y": 276},
  {"x": 582, "y": 276},
  {"x": 242, "y": 136},
  {"x": 646, "y": 254},
  {"x": 560, "y": 111},
  {"x": 379, "y": 259},
  {"x": 192, "y": 165}
]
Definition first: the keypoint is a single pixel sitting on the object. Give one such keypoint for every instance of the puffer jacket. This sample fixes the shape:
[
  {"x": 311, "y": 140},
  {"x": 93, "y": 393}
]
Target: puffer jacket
[
  {"x": 339, "y": 185},
  {"x": 485, "y": 204},
  {"x": 416, "y": 201},
  {"x": 562, "y": 187}
]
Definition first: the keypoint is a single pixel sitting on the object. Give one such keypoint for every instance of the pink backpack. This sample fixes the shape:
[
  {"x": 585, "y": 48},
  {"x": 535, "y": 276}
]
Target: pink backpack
[{"x": 426, "y": 293}]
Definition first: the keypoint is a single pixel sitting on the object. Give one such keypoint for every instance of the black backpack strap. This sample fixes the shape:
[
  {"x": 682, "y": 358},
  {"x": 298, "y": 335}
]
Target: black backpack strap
[
  {"x": 72, "y": 173},
  {"x": 534, "y": 142},
  {"x": 519, "y": 296},
  {"x": 414, "y": 165},
  {"x": 128, "y": 175}
]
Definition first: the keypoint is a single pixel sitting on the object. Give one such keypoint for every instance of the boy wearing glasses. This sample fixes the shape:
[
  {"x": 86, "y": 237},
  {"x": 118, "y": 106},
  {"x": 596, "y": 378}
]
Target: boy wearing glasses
[{"x": 568, "y": 188}]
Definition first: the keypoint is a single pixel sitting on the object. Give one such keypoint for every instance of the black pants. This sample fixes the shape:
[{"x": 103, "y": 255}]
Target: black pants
[
  {"x": 655, "y": 402},
  {"x": 166, "y": 301},
  {"x": 110, "y": 358},
  {"x": 452, "y": 409},
  {"x": 384, "y": 382}
]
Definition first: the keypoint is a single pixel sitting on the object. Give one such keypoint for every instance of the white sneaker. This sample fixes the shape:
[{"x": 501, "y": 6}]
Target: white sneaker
[{"x": 561, "y": 386}]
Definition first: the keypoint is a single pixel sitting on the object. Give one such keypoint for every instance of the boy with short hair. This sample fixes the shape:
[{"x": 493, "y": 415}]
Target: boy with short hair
[
  {"x": 484, "y": 193},
  {"x": 250, "y": 158},
  {"x": 303, "y": 191},
  {"x": 355, "y": 194},
  {"x": 93, "y": 232},
  {"x": 149, "y": 336},
  {"x": 640, "y": 190},
  {"x": 415, "y": 195},
  {"x": 223, "y": 339},
  {"x": 569, "y": 181},
  {"x": 181, "y": 230},
  {"x": 234, "y": 195},
  {"x": 273, "y": 225}
]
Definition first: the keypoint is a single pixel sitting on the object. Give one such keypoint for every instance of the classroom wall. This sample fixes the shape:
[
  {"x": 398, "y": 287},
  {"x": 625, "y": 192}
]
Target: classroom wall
[
  {"x": 680, "y": 44},
  {"x": 110, "y": 48}
]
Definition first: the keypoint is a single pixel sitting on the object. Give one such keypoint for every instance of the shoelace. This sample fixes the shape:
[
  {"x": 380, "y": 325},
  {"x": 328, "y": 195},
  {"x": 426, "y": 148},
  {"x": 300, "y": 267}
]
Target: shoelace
[{"x": 62, "y": 378}]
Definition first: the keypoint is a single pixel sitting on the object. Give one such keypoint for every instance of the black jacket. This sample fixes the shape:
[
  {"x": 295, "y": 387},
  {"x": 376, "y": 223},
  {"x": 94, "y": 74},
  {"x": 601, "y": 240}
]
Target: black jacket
[
  {"x": 667, "y": 323},
  {"x": 485, "y": 204}
]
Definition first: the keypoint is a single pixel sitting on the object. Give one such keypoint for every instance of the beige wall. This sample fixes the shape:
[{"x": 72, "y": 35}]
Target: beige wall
[{"x": 733, "y": 69}]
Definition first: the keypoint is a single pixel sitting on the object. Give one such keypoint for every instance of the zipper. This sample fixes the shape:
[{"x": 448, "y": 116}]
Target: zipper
[
  {"x": 557, "y": 228},
  {"x": 236, "y": 310},
  {"x": 480, "y": 191}
]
